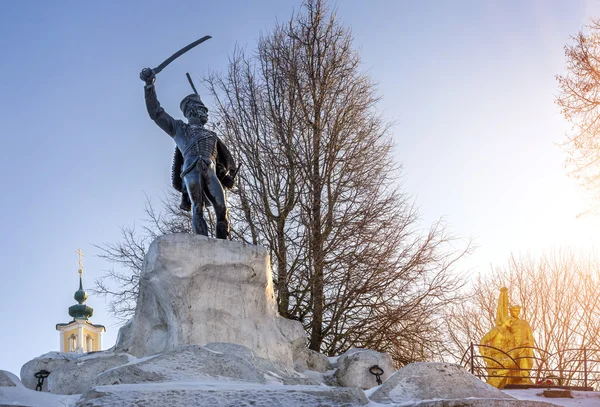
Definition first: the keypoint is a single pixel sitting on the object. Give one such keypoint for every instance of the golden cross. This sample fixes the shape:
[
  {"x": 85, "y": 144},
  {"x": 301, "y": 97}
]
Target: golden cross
[{"x": 80, "y": 260}]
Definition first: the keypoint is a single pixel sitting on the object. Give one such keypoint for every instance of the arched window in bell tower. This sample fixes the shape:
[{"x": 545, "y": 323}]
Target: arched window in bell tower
[{"x": 72, "y": 343}]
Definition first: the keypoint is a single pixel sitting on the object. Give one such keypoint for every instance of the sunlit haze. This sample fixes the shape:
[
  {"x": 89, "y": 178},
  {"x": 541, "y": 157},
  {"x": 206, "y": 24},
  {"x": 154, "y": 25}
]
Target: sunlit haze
[{"x": 469, "y": 86}]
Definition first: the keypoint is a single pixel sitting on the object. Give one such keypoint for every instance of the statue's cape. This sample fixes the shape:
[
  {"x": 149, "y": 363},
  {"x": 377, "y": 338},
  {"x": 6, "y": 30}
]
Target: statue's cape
[
  {"x": 224, "y": 158},
  {"x": 176, "y": 170}
]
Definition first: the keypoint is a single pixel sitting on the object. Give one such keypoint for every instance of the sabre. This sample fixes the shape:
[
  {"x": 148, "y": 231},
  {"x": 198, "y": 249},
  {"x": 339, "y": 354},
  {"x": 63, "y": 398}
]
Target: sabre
[{"x": 180, "y": 53}]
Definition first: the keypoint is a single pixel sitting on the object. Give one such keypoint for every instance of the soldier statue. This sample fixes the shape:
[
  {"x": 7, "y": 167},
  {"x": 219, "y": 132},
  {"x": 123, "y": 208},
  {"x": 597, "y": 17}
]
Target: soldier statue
[
  {"x": 202, "y": 166},
  {"x": 508, "y": 348}
]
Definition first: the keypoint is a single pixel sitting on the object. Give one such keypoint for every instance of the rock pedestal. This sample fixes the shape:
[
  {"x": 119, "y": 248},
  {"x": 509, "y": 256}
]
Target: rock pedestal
[{"x": 195, "y": 290}]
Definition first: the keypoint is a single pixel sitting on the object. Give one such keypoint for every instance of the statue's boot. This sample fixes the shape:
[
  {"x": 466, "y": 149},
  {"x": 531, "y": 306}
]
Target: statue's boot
[
  {"x": 222, "y": 229},
  {"x": 185, "y": 204},
  {"x": 199, "y": 224}
]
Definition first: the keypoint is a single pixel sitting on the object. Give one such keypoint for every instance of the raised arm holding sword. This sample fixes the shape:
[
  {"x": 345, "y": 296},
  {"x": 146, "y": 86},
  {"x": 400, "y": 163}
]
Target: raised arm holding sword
[{"x": 203, "y": 165}]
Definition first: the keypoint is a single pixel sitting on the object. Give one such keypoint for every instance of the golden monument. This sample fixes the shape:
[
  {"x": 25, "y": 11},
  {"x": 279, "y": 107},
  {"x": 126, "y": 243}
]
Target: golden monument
[{"x": 508, "y": 347}]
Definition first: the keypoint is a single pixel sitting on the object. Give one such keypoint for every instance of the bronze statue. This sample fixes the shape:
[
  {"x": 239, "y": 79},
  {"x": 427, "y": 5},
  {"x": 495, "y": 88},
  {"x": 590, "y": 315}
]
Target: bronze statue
[
  {"x": 202, "y": 162},
  {"x": 202, "y": 165},
  {"x": 508, "y": 347}
]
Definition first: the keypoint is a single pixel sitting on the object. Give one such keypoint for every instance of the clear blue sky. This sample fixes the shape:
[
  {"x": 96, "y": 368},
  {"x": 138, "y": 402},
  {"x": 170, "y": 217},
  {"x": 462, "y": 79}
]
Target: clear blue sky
[{"x": 470, "y": 85}]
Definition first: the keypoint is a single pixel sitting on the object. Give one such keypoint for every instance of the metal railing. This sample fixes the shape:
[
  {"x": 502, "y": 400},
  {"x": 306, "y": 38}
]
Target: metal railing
[{"x": 574, "y": 368}]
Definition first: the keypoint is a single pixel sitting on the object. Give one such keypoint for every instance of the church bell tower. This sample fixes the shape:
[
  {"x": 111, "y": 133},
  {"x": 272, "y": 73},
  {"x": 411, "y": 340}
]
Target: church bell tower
[{"x": 80, "y": 335}]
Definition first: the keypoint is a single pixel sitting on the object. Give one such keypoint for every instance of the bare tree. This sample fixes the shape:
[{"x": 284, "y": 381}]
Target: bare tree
[
  {"x": 558, "y": 294},
  {"x": 579, "y": 100},
  {"x": 259, "y": 122},
  {"x": 319, "y": 188}
]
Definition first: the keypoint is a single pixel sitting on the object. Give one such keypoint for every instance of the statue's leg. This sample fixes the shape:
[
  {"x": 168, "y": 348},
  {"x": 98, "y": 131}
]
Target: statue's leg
[
  {"x": 214, "y": 192},
  {"x": 193, "y": 183}
]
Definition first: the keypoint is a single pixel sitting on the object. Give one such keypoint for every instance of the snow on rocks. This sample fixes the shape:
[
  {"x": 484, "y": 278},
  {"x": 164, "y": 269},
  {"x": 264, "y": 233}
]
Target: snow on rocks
[
  {"x": 440, "y": 384},
  {"x": 428, "y": 381},
  {"x": 217, "y": 361},
  {"x": 76, "y": 376},
  {"x": 76, "y": 373},
  {"x": 195, "y": 290},
  {"x": 20, "y": 396},
  {"x": 308, "y": 359},
  {"x": 7, "y": 379},
  {"x": 354, "y": 365},
  {"x": 124, "y": 337},
  {"x": 70, "y": 373},
  {"x": 223, "y": 374},
  {"x": 221, "y": 394},
  {"x": 50, "y": 362}
]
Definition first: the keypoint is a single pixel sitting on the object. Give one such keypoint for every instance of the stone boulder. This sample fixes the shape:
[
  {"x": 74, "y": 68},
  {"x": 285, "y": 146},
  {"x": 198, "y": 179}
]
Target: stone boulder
[
  {"x": 7, "y": 379},
  {"x": 195, "y": 290},
  {"x": 308, "y": 359},
  {"x": 70, "y": 373},
  {"x": 124, "y": 337},
  {"x": 417, "y": 382},
  {"x": 77, "y": 376},
  {"x": 215, "y": 361},
  {"x": 50, "y": 362},
  {"x": 354, "y": 365}
]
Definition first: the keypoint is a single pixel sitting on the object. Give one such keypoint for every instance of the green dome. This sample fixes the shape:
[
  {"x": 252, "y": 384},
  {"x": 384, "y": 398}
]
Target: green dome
[
  {"x": 80, "y": 311},
  {"x": 80, "y": 296}
]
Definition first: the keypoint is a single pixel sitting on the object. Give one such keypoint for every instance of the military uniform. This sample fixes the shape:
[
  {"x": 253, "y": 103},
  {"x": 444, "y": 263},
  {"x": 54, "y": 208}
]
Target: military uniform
[{"x": 203, "y": 164}]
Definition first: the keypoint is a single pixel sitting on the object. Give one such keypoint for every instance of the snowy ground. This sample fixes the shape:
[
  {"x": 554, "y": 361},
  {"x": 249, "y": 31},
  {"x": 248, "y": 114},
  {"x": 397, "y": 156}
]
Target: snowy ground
[
  {"x": 580, "y": 398},
  {"x": 25, "y": 397}
]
